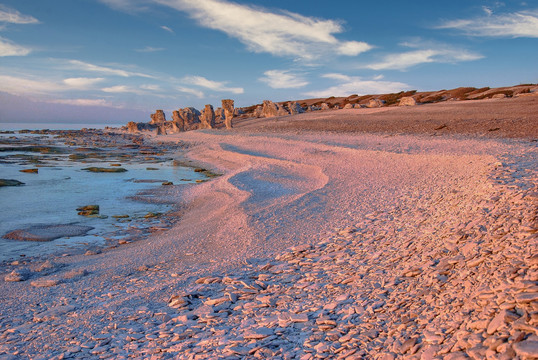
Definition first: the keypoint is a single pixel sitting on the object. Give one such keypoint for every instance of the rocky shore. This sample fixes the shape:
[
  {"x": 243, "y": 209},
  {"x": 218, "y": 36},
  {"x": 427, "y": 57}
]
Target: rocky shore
[{"x": 310, "y": 246}]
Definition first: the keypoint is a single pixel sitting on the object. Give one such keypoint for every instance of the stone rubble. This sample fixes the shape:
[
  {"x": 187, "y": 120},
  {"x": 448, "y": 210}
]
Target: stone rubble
[{"x": 454, "y": 277}]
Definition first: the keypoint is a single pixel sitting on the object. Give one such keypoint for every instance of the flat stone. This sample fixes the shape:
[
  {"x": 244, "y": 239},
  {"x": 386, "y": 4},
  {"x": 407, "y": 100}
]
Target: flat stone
[
  {"x": 47, "y": 232},
  {"x": 259, "y": 333},
  {"x": 44, "y": 283},
  {"x": 527, "y": 348},
  {"x": 526, "y": 297}
]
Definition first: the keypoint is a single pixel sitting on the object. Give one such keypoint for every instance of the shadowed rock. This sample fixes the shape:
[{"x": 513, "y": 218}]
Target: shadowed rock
[
  {"x": 295, "y": 108},
  {"x": 190, "y": 117},
  {"x": 228, "y": 106},
  {"x": 10, "y": 182},
  {"x": 270, "y": 109}
]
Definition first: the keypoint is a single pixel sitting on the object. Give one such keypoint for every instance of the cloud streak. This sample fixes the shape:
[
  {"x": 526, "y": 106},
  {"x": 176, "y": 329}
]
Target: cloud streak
[
  {"x": 282, "y": 79},
  {"x": 81, "y": 65},
  {"x": 8, "y": 48},
  {"x": 12, "y": 16},
  {"x": 516, "y": 24},
  {"x": 278, "y": 33},
  {"x": 212, "y": 85},
  {"x": 355, "y": 85}
]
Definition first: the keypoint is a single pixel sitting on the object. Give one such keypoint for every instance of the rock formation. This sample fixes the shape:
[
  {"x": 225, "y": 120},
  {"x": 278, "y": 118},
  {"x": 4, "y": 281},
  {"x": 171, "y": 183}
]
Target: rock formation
[
  {"x": 325, "y": 106},
  {"x": 178, "y": 122},
  {"x": 190, "y": 117},
  {"x": 407, "y": 101},
  {"x": 134, "y": 127},
  {"x": 228, "y": 106},
  {"x": 375, "y": 103},
  {"x": 161, "y": 130},
  {"x": 349, "y": 106},
  {"x": 258, "y": 112},
  {"x": 158, "y": 117},
  {"x": 270, "y": 109},
  {"x": 219, "y": 115},
  {"x": 208, "y": 118},
  {"x": 295, "y": 108}
]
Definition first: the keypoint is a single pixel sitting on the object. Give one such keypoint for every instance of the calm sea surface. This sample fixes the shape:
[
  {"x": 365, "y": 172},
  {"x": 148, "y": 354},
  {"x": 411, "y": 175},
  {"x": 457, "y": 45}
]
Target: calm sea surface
[{"x": 52, "y": 195}]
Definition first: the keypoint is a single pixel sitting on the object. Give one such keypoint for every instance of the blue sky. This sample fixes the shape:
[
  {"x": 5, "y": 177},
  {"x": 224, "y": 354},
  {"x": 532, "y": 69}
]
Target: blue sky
[{"x": 111, "y": 61}]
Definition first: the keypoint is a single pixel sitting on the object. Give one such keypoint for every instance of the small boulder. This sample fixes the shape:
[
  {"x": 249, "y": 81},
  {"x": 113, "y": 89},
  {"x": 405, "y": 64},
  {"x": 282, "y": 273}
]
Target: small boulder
[{"x": 407, "y": 101}]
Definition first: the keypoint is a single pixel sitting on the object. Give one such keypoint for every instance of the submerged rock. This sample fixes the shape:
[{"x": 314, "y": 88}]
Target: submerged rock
[
  {"x": 47, "y": 232},
  {"x": 105, "y": 170},
  {"x": 88, "y": 210},
  {"x": 10, "y": 182}
]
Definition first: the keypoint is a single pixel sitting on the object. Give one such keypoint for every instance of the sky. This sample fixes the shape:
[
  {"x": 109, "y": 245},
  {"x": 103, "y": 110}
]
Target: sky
[{"x": 113, "y": 61}]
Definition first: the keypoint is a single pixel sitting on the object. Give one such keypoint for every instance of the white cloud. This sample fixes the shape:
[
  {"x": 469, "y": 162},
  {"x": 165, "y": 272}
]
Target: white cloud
[
  {"x": 151, "y": 87},
  {"x": 120, "y": 89},
  {"x": 282, "y": 79},
  {"x": 149, "y": 49},
  {"x": 105, "y": 70},
  {"x": 197, "y": 93},
  {"x": 210, "y": 84},
  {"x": 12, "y": 16},
  {"x": 355, "y": 85},
  {"x": 278, "y": 33},
  {"x": 166, "y": 28},
  {"x": 517, "y": 24},
  {"x": 439, "y": 54},
  {"x": 21, "y": 86},
  {"x": 81, "y": 82},
  {"x": 8, "y": 48}
]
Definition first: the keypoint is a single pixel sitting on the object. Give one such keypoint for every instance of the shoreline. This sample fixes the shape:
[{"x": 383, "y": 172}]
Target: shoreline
[{"x": 235, "y": 229}]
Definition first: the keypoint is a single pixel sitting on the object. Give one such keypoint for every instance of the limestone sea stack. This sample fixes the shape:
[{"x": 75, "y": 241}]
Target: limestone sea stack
[
  {"x": 208, "y": 118},
  {"x": 158, "y": 117},
  {"x": 228, "y": 107}
]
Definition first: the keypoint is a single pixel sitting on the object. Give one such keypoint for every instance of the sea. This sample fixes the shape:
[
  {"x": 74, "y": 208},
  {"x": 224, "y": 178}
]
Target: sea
[{"x": 61, "y": 185}]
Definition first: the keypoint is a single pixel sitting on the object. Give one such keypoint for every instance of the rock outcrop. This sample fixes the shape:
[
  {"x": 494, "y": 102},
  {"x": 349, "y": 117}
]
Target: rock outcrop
[
  {"x": 258, "y": 112},
  {"x": 295, "y": 108},
  {"x": 178, "y": 123},
  {"x": 134, "y": 127},
  {"x": 208, "y": 118},
  {"x": 228, "y": 106},
  {"x": 271, "y": 109},
  {"x": 325, "y": 106},
  {"x": 407, "y": 101},
  {"x": 190, "y": 117},
  {"x": 158, "y": 117}
]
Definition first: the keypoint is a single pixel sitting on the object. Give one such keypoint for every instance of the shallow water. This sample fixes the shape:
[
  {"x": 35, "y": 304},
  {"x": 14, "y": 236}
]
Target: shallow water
[{"x": 61, "y": 186}]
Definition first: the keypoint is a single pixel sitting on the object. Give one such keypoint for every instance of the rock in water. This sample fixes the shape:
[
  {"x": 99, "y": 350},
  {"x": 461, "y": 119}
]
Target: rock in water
[
  {"x": 295, "y": 108},
  {"x": 228, "y": 106},
  {"x": 208, "y": 118},
  {"x": 10, "y": 182},
  {"x": 105, "y": 170},
  {"x": 47, "y": 232},
  {"x": 407, "y": 101},
  {"x": 158, "y": 118}
]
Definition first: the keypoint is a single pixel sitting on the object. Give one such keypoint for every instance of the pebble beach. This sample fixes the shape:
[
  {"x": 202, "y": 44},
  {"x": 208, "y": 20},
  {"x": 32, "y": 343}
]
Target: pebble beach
[{"x": 311, "y": 244}]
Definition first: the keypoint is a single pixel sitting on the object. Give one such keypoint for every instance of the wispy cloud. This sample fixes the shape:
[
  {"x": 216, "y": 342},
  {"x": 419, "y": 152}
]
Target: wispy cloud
[
  {"x": 212, "y": 85},
  {"x": 82, "y": 83},
  {"x": 84, "y": 102},
  {"x": 8, "y": 48},
  {"x": 105, "y": 70},
  {"x": 199, "y": 94},
  {"x": 283, "y": 79},
  {"x": 148, "y": 49},
  {"x": 516, "y": 24},
  {"x": 166, "y": 28},
  {"x": 355, "y": 85},
  {"x": 12, "y": 16},
  {"x": 121, "y": 89},
  {"x": 426, "y": 53},
  {"x": 279, "y": 33}
]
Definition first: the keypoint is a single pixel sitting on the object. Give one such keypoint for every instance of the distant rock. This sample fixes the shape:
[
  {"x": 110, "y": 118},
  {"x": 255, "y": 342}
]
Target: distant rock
[
  {"x": 270, "y": 109},
  {"x": 208, "y": 118},
  {"x": 498, "y": 96},
  {"x": 375, "y": 103},
  {"x": 258, "y": 112},
  {"x": 295, "y": 108},
  {"x": 161, "y": 129},
  {"x": 178, "y": 123},
  {"x": 158, "y": 117},
  {"x": 407, "y": 101},
  {"x": 324, "y": 106},
  {"x": 191, "y": 118},
  {"x": 228, "y": 107},
  {"x": 134, "y": 127}
]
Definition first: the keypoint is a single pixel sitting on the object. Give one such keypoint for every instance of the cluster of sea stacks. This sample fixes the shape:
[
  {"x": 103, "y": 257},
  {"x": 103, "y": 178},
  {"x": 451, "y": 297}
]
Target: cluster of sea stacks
[{"x": 190, "y": 118}]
